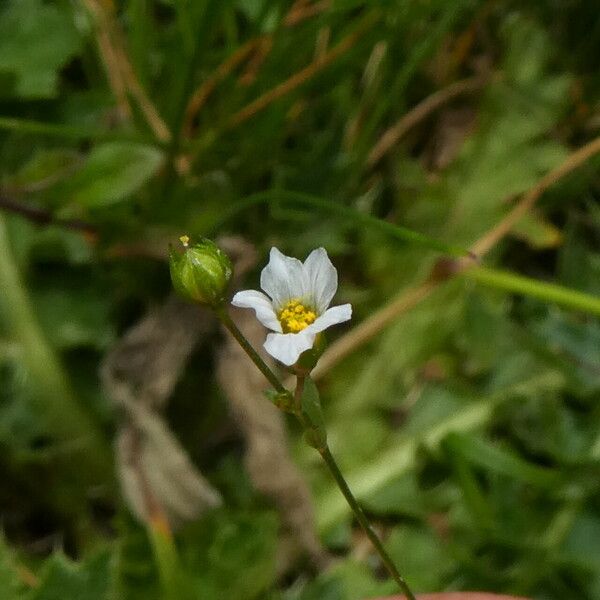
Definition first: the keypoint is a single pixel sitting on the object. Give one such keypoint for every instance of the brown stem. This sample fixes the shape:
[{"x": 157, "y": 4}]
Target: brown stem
[
  {"x": 41, "y": 216},
  {"x": 249, "y": 350},
  {"x": 300, "y": 77},
  {"x": 393, "y": 135}
]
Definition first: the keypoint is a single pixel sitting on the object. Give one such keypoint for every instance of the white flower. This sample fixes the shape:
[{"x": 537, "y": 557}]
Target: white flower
[{"x": 297, "y": 309}]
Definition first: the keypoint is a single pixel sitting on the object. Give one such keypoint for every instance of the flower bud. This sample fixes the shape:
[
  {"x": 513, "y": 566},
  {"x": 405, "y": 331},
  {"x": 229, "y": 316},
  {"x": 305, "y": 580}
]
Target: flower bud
[{"x": 201, "y": 272}]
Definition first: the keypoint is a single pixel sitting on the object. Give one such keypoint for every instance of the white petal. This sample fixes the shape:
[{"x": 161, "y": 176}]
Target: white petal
[
  {"x": 322, "y": 278},
  {"x": 262, "y": 307},
  {"x": 332, "y": 316},
  {"x": 287, "y": 347},
  {"x": 283, "y": 278}
]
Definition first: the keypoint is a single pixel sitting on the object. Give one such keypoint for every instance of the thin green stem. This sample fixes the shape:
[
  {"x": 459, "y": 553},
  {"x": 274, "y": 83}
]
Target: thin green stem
[
  {"x": 324, "y": 452},
  {"x": 73, "y": 132},
  {"x": 510, "y": 282},
  {"x": 300, "y": 379},
  {"x": 249, "y": 350},
  {"x": 475, "y": 500},
  {"x": 362, "y": 519},
  {"x": 547, "y": 292},
  {"x": 351, "y": 214},
  {"x": 182, "y": 91}
]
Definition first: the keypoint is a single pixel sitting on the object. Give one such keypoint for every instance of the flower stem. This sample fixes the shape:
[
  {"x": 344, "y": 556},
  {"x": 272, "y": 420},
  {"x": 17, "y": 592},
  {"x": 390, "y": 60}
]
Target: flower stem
[
  {"x": 249, "y": 350},
  {"x": 547, "y": 292},
  {"x": 325, "y": 452},
  {"x": 362, "y": 519}
]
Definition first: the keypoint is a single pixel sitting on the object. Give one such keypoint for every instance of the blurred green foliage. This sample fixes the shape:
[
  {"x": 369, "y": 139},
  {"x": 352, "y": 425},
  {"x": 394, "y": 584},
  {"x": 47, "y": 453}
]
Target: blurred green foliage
[{"x": 469, "y": 427}]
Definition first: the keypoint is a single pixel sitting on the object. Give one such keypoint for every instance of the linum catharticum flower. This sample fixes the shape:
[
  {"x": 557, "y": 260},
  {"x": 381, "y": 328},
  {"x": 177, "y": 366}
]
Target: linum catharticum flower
[{"x": 296, "y": 308}]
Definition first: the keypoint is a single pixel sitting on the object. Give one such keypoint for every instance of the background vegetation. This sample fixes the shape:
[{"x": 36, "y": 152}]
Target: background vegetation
[{"x": 462, "y": 401}]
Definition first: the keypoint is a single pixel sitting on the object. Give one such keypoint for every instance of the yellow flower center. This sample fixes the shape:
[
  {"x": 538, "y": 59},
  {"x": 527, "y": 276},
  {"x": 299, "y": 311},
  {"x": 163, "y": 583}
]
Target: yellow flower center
[{"x": 295, "y": 317}]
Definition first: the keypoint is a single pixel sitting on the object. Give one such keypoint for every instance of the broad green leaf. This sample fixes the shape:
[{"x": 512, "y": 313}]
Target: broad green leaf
[
  {"x": 74, "y": 315},
  {"x": 112, "y": 172},
  {"x": 502, "y": 460},
  {"x": 62, "y": 579},
  {"x": 20, "y": 423},
  {"x": 36, "y": 40}
]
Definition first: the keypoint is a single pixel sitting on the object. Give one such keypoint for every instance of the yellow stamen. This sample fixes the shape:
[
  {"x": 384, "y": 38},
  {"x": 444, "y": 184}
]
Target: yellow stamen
[
  {"x": 185, "y": 240},
  {"x": 295, "y": 317}
]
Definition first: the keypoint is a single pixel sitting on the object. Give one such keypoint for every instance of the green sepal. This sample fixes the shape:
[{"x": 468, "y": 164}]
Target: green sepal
[
  {"x": 309, "y": 358},
  {"x": 312, "y": 413}
]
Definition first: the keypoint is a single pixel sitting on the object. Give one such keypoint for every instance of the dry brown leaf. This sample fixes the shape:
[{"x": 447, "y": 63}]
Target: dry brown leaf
[
  {"x": 151, "y": 462},
  {"x": 139, "y": 374},
  {"x": 147, "y": 362}
]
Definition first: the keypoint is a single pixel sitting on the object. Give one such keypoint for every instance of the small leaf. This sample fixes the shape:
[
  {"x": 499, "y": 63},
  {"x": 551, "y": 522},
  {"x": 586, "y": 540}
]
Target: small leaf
[
  {"x": 537, "y": 232},
  {"x": 74, "y": 315},
  {"x": 501, "y": 460},
  {"x": 112, "y": 172},
  {"x": 45, "y": 168}
]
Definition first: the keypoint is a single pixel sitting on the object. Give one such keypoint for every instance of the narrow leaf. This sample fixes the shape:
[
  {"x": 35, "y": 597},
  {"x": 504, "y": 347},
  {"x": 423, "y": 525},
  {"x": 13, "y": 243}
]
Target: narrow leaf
[{"x": 112, "y": 172}]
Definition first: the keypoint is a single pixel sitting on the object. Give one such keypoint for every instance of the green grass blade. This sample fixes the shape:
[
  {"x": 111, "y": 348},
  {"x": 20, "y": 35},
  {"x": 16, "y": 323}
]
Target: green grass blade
[
  {"x": 548, "y": 292},
  {"x": 321, "y": 205}
]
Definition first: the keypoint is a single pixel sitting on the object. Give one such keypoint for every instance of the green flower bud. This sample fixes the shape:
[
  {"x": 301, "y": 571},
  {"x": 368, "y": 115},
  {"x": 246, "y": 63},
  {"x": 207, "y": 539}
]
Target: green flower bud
[{"x": 200, "y": 273}]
